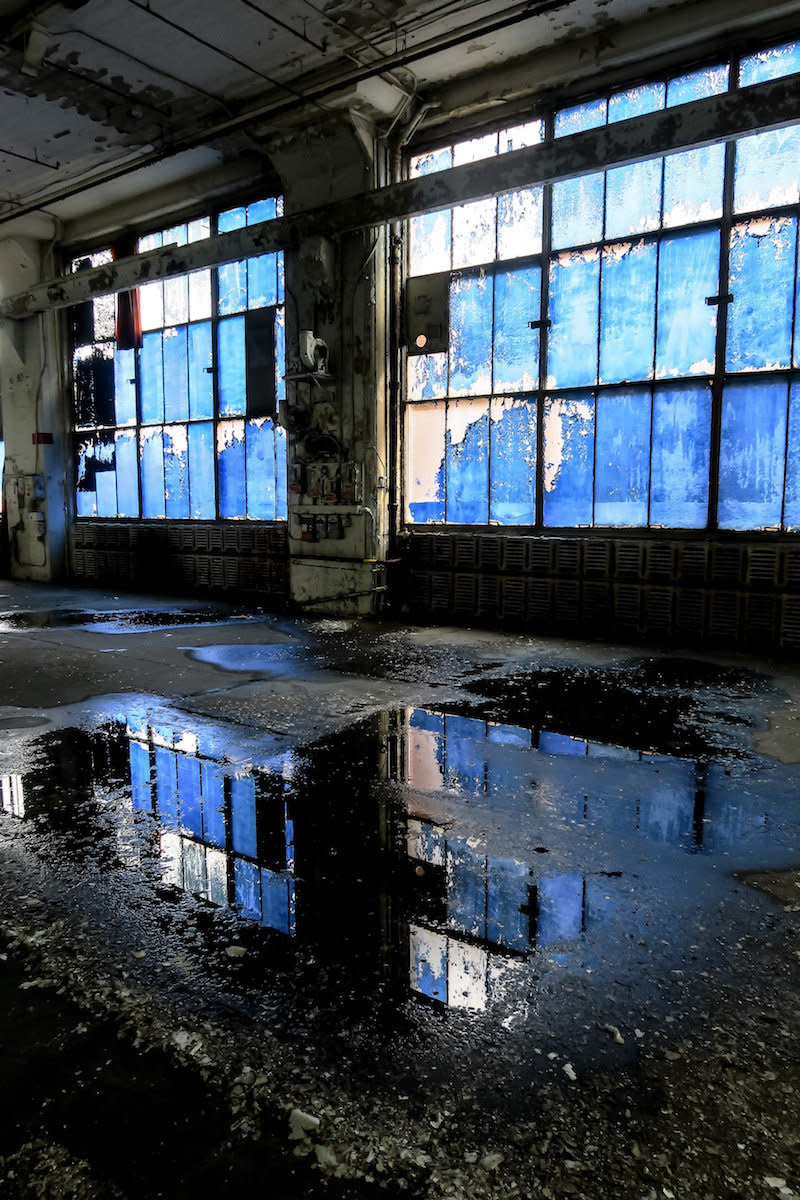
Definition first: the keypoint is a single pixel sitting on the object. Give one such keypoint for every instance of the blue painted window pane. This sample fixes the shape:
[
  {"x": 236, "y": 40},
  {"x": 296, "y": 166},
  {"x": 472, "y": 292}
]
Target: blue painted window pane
[
  {"x": 176, "y": 375},
  {"x": 579, "y": 118},
  {"x": 711, "y": 81},
  {"x": 622, "y": 458},
  {"x": 201, "y": 380},
  {"x": 166, "y": 769},
  {"x": 574, "y": 305},
  {"x": 752, "y": 453},
  {"x": 275, "y": 901},
  {"x": 141, "y": 791},
  {"x": 470, "y": 335},
  {"x": 468, "y": 462},
  {"x": 688, "y": 272},
  {"x": 151, "y": 376},
  {"x": 152, "y": 469},
  {"x": 201, "y": 471},
  {"x": 513, "y": 462},
  {"x": 262, "y": 281},
  {"x": 176, "y": 472},
  {"x": 519, "y": 223},
  {"x": 561, "y": 743},
  {"x": 106, "y": 476},
  {"x": 569, "y": 460},
  {"x": 791, "y": 517},
  {"x": 243, "y": 815},
  {"x": 231, "y": 362},
  {"x": 762, "y": 282},
  {"x": 517, "y": 300},
  {"x": 232, "y": 283},
  {"x": 578, "y": 211},
  {"x": 693, "y": 186},
  {"x": 560, "y": 909},
  {"x": 247, "y": 885},
  {"x": 125, "y": 386},
  {"x": 280, "y": 473},
  {"x": 506, "y": 894},
  {"x": 189, "y": 793},
  {"x": 430, "y": 242},
  {"x": 680, "y": 457},
  {"x": 430, "y": 162},
  {"x": 425, "y": 461},
  {"x": 260, "y": 464},
  {"x": 235, "y": 218},
  {"x": 262, "y": 210},
  {"x": 627, "y": 320},
  {"x": 127, "y": 474},
  {"x": 466, "y": 890},
  {"x": 770, "y": 64},
  {"x": 767, "y": 170},
  {"x": 633, "y": 198},
  {"x": 427, "y": 376},
  {"x": 231, "y": 461},
  {"x": 212, "y": 783},
  {"x": 280, "y": 355},
  {"x": 647, "y": 98}
]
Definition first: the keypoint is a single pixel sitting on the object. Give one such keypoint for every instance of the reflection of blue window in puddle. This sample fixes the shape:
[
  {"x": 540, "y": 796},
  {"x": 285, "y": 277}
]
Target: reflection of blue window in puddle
[{"x": 276, "y": 659}]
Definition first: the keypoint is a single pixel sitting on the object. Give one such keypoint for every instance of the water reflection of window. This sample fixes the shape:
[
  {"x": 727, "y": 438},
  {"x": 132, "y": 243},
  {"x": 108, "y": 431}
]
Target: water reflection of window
[{"x": 12, "y": 795}]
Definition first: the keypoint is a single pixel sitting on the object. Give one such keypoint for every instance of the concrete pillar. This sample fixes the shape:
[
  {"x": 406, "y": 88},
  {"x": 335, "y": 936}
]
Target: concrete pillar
[
  {"x": 34, "y": 419},
  {"x": 336, "y": 329}
]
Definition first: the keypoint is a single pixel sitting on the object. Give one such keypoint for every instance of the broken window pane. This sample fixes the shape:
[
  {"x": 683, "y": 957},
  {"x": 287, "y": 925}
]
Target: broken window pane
[
  {"x": 688, "y": 272},
  {"x": 513, "y": 461},
  {"x": 767, "y": 170},
  {"x": 568, "y": 460},
  {"x": 151, "y": 455},
  {"x": 752, "y": 454},
  {"x": 622, "y": 458},
  {"x": 627, "y": 322},
  {"x": 470, "y": 335},
  {"x": 425, "y": 461},
  {"x": 680, "y": 457},
  {"x": 762, "y": 265},
  {"x": 693, "y": 185},
  {"x": 231, "y": 460},
  {"x": 467, "y": 462},
  {"x": 202, "y": 488},
  {"x": 578, "y": 210},
  {"x": 770, "y": 64},
  {"x": 517, "y": 302},
  {"x": 574, "y": 311},
  {"x": 176, "y": 472},
  {"x": 633, "y": 198}
]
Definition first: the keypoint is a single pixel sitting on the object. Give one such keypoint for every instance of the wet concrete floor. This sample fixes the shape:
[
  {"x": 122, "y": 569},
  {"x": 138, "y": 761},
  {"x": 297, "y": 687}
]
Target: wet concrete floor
[{"x": 369, "y": 908}]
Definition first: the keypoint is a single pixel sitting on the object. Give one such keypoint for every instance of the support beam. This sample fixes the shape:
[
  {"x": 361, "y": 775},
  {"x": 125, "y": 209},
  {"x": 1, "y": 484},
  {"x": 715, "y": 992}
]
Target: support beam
[{"x": 719, "y": 118}]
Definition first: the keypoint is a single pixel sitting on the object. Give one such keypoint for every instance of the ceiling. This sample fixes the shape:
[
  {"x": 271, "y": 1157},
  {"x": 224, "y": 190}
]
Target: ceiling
[{"x": 104, "y": 102}]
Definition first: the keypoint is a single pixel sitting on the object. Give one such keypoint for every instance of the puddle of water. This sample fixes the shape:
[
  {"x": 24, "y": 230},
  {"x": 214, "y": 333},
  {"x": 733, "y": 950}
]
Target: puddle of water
[
  {"x": 431, "y": 886},
  {"x": 123, "y": 621},
  {"x": 272, "y": 659}
]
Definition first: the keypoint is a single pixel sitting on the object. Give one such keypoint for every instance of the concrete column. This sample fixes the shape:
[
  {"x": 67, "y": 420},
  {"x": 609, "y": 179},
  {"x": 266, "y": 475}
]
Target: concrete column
[
  {"x": 336, "y": 328},
  {"x": 34, "y": 419}
]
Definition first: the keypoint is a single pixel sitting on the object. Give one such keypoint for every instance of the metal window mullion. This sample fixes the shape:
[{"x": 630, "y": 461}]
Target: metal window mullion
[
  {"x": 789, "y": 377},
  {"x": 544, "y": 335},
  {"x": 718, "y": 381},
  {"x": 655, "y": 342},
  {"x": 597, "y": 385},
  {"x": 215, "y": 379}
]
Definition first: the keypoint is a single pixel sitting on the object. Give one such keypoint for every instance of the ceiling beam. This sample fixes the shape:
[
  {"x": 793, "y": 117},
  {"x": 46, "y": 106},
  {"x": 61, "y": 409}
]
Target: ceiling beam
[{"x": 718, "y": 118}]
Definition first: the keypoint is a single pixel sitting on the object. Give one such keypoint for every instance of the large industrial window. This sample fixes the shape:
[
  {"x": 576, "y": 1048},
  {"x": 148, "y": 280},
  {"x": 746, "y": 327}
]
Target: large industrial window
[
  {"x": 588, "y": 348},
  {"x": 177, "y": 392}
]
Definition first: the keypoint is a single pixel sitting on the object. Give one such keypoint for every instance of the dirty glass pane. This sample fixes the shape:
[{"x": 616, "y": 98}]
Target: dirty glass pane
[
  {"x": 752, "y": 450},
  {"x": 791, "y": 502},
  {"x": 127, "y": 473},
  {"x": 474, "y": 233},
  {"x": 580, "y": 117},
  {"x": 680, "y": 457},
  {"x": 693, "y": 185},
  {"x": 622, "y": 458},
  {"x": 151, "y": 305},
  {"x": 199, "y": 295},
  {"x": 770, "y": 64},
  {"x": 688, "y": 272},
  {"x": 234, "y": 218},
  {"x": 106, "y": 476},
  {"x": 231, "y": 367},
  {"x": 512, "y": 490},
  {"x": 151, "y": 453},
  {"x": 280, "y": 473},
  {"x": 429, "y": 243},
  {"x": 569, "y": 460},
  {"x": 232, "y": 284},
  {"x": 647, "y": 98},
  {"x": 627, "y": 317},
  {"x": 470, "y": 335},
  {"x": 427, "y": 376},
  {"x": 425, "y": 462},
  {"x": 260, "y": 465},
  {"x": 633, "y": 198},
  {"x": 767, "y": 170},
  {"x": 201, "y": 471},
  {"x": 468, "y": 462},
  {"x": 517, "y": 300},
  {"x": 280, "y": 354},
  {"x": 262, "y": 281},
  {"x": 762, "y": 259},
  {"x": 574, "y": 312},
  {"x": 125, "y": 387},
  {"x": 474, "y": 149},
  {"x": 711, "y": 81},
  {"x": 176, "y": 300},
  {"x": 430, "y": 162},
  {"x": 151, "y": 378},
  {"x": 176, "y": 471},
  {"x": 105, "y": 318},
  {"x": 231, "y": 466},
  {"x": 519, "y": 223},
  {"x": 176, "y": 375},
  {"x": 578, "y": 210},
  {"x": 201, "y": 381}
]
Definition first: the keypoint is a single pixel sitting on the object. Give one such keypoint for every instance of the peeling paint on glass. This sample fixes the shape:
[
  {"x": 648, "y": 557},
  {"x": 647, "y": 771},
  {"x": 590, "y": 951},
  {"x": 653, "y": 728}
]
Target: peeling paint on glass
[
  {"x": 151, "y": 376},
  {"x": 427, "y": 376},
  {"x": 578, "y": 210},
  {"x": 512, "y": 485},
  {"x": 176, "y": 472},
  {"x": 770, "y": 64},
  {"x": 752, "y": 455},
  {"x": 627, "y": 316},
  {"x": 125, "y": 387},
  {"x": 647, "y": 98},
  {"x": 688, "y": 272},
  {"x": 693, "y": 182},
  {"x": 756, "y": 187},
  {"x": 231, "y": 359},
  {"x": 681, "y": 456},
  {"x": 622, "y": 458},
  {"x": 151, "y": 455},
  {"x": 176, "y": 374},
  {"x": 633, "y": 198},
  {"x": 569, "y": 460},
  {"x": 470, "y": 362},
  {"x": 517, "y": 303},
  {"x": 201, "y": 384},
  {"x": 467, "y": 462},
  {"x": 127, "y": 473},
  {"x": 762, "y": 274},
  {"x": 698, "y": 85},
  {"x": 425, "y": 451},
  {"x": 580, "y": 117},
  {"x": 231, "y": 460},
  {"x": 791, "y": 498},
  {"x": 260, "y": 465},
  {"x": 201, "y": 471},
  {"x": 574, "y": 312}
]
